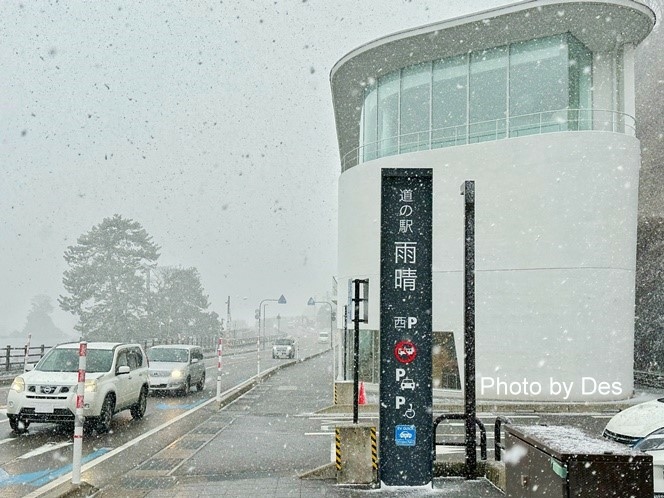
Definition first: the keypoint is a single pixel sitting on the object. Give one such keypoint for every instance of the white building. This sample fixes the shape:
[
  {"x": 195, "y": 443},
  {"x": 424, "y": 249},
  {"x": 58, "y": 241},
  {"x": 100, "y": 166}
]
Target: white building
[{"x": 535, "y": 102}]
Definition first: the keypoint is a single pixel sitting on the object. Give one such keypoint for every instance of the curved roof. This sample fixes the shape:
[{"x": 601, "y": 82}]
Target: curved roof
[{"x": 602, "y": 25}]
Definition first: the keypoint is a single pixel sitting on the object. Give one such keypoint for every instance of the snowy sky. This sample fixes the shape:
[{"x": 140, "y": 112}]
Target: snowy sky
[{"x": 210, "y": 123}]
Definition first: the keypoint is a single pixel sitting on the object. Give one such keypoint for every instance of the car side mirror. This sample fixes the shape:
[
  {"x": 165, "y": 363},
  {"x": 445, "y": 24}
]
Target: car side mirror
[{"x": 123, "y": 370}]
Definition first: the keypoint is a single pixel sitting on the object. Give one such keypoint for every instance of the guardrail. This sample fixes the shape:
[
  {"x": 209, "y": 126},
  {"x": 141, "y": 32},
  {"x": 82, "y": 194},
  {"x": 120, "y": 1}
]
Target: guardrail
[
  {"x": 14, "y": 358},
  {"x": 209, "y": 343}
]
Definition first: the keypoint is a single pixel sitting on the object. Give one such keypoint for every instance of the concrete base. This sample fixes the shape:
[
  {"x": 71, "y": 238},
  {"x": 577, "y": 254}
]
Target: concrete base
[
  {"x": 343, "y": 392},
  {"x": 356, "y": 454}
]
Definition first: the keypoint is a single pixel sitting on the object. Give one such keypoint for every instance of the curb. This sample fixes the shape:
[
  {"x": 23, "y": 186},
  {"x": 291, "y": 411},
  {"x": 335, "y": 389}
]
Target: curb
[{"x": 63, "y": 488}]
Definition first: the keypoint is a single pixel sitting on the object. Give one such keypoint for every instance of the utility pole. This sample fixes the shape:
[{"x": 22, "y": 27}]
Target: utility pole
[{"x": 228, "y": 316}]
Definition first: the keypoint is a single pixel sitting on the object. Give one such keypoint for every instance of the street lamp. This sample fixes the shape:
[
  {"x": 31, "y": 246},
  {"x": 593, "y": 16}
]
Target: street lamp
[
  {"x": 313, "y": 302},
  {"x": 281, "y": 300}
]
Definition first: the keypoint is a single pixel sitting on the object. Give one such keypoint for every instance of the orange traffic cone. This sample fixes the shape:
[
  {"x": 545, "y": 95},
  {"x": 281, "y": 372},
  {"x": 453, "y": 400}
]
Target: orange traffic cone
[{"x": 361, "y": 396}]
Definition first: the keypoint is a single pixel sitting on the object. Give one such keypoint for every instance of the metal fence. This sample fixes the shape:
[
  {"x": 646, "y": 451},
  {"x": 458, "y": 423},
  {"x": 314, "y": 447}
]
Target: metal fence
[{"x": 15, "y": 358}]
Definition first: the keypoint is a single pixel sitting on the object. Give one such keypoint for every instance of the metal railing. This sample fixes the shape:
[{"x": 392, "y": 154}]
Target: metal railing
[
  {"x": 460, "y": 416},
  {"x": 14, "y": 358},
  {"x": 484, "y": 131},
  {"x": 498, "y": 446}
]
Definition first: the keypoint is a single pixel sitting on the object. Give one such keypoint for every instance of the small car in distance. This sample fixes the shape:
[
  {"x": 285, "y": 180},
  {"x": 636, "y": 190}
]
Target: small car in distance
[
  {"x": 116, "y": 379},
  {"x": 174, "y": 368},
  {"x": 283, "y": 348}
]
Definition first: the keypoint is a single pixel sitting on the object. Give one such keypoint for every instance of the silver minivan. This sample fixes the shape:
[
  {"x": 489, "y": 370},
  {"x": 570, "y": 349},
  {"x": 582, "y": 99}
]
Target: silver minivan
[{"x": 175, "y": 368}]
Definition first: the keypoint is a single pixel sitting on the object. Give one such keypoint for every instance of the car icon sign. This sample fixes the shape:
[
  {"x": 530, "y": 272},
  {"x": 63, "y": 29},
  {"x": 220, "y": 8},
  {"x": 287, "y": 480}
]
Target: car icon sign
[{"x": 408, "y": 384}]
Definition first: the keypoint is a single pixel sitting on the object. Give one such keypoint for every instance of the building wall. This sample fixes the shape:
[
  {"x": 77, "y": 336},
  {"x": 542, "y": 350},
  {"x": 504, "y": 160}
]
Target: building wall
[{"x": 555, "y": 257}]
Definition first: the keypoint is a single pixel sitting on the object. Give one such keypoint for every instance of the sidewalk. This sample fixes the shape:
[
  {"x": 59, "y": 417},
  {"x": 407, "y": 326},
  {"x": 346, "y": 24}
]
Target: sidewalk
[{"x": 260, "y": 445}]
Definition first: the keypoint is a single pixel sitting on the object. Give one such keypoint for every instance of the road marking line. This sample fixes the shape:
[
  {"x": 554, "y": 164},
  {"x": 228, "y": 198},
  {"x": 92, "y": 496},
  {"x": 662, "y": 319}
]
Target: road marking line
[
  {"x": 45, "y": 449},
  {"x": 63, "y": 479},
  {"x": 319, "y": 433},
  {"x": 3, "y": 441}
]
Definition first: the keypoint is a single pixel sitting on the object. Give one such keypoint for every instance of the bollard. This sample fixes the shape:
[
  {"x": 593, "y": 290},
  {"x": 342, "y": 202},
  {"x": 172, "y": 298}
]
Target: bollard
[
  {"x": 219, "y": 351},
  {"x": 79, "y": 420}
]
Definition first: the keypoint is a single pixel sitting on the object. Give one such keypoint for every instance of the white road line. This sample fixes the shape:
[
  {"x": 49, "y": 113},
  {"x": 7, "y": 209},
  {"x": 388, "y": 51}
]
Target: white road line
[
  {"x": 3, "y": 441},
  {"x": 45, "y": 449},
  {"x": 67, "y": 477},
  {"x": 319, "y": 433}
]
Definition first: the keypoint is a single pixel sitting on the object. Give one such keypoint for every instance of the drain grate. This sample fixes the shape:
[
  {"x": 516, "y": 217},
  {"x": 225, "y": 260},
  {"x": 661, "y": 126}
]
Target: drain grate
[
  {"x": 191, "y": 444},
  {"x": 159, "y": 464},
  {"x": 147, "y": 482},
  {"x": 206, "y": 430}
]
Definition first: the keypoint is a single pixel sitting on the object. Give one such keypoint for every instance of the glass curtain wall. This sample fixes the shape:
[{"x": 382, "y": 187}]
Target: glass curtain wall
[
  {"x": 537, "y": 105},
  {"x": 369, "y": 124},
  {"x": 488, "y": 95},
  {"x": 580, "y": 83},
  {"x": 388, "y": 115},
  {"x": 449, "y": 102},
  {"x": 536, "y": 86}
]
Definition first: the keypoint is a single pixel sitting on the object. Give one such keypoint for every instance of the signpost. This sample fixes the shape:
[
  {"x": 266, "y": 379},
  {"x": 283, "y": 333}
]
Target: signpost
[
  {"x": 406, "y": 426},
  {"x": 468, "y": 191}
]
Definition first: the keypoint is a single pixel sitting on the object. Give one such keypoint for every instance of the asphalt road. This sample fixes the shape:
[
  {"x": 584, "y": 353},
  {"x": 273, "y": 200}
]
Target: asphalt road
[
  {"x": 251, "y": 435},
  {"x": 44, "y": 453}
]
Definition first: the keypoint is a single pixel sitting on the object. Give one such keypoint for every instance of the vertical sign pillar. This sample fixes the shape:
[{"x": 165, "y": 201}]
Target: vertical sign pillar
[
  {"x": 406, "y": 401},
  {"x": 468, "y": 191}
]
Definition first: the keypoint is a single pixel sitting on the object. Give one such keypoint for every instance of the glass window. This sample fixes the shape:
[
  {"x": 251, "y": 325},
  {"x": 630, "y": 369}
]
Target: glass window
[
  {"x": 388, "y": 114},
  {"x": 449, "y": 101},
  {"x": 488, "y": 94},
  {"x": 369, "y": 123},
  {"x": 415, "y": 107},
  {"x": 538, "y": 86},
  {"x": 66, "y": 360},
  {"x": 580, "y": 84}
]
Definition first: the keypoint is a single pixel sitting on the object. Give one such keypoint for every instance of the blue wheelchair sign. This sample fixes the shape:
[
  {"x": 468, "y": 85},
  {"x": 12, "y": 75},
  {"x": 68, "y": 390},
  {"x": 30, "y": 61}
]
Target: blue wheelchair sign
[{"x": 405, "y": 435}]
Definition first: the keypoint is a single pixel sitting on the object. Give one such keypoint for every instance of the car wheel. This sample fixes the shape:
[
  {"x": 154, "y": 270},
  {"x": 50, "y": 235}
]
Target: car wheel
[
  {"x": 104, "y": 421},
  {"x": 138, "y": 410},
  {"x": 201, "y": 383},
  {"x": 17, "y": 425},
  {"x": 186, "y": 387}
]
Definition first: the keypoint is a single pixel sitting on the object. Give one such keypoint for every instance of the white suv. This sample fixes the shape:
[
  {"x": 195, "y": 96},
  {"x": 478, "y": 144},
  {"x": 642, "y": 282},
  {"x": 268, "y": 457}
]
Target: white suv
[{"x": 116, "y": 379}]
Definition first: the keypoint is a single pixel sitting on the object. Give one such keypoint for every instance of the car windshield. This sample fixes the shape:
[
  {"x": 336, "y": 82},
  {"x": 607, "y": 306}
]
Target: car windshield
[
  {"x": 168, "y": 355},
  {"x": 283, "y": 342},
  {"x": 66, "y": 360}
]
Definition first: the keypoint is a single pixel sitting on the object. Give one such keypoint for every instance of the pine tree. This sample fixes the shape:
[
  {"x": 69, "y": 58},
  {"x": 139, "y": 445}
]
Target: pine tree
[{"x": 106, "y": 280}]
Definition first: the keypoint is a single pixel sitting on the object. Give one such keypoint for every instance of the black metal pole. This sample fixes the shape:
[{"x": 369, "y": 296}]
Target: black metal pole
[
  {"x": 468, "y": 191},
  {"x": 356, "y": 349},
  {"x": 345, "y": 347}
]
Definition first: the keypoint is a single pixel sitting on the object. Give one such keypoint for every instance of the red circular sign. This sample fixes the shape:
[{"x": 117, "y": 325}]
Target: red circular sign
[{"x": 405, "y": 351}]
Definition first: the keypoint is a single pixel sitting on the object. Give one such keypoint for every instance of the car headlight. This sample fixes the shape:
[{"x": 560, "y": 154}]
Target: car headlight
[
  {"x": 91, "y": 386},
  {"x": 653, "y": 441},
  {"x": 18, "y": 385},
  {"x": 177, "y": 374}
]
